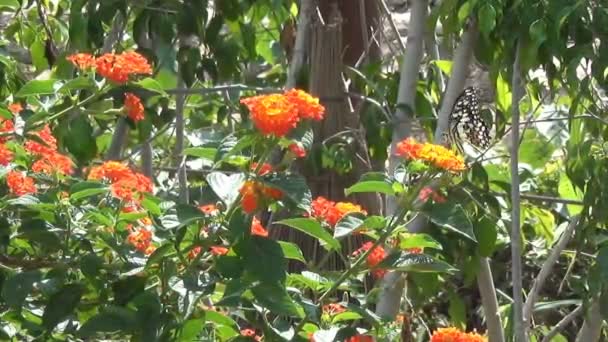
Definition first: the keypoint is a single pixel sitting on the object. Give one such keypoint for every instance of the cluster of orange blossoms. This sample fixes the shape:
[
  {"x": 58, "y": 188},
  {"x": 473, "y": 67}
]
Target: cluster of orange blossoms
[
  {"x": 428, "y": 192},
  {"x": 356, "y": 338},
  {"x": 436, "y": 155},
  {"x": 297, "y": 150},
  {"x": 255, "y": 194},
  {"x": 333, "y": 309},
  {"x": 141, "y": 239},
  {"x": 126, "y": 184},
  {"x": 115, "y": 67},
  {"x": 19, "y": 184},
  {"x": 251, "y": 333},
  {"x": 278, "y": 114},
  {"x": 50, "y": 160},
  {"x": 332, "y": 212},
  {"x": 134, "y": 107},
  {"x": 374, "y": 258},
  {"x": 455, "y": 335},
  {"x": 7, "y": 126}
]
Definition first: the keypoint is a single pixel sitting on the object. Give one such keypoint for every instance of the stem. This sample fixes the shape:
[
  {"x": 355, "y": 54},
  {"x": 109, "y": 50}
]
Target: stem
[
  {"x": 519, "y": 325},
  {"x": 489, "y": 302},
  {"x": 178, "y": 151},
  {"x": 591, "y": 329},
  {"x": 563, "y": 323},
  {"x": 302, "y": 39}
]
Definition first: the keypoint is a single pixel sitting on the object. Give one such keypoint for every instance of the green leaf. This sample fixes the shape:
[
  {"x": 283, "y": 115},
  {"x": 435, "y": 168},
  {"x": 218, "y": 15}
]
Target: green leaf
[
  {"x": 292, "y": 251},
  {"x": 602, "y": 261},
  {"x": 78, "y": 83},
  {"x": 346, "y": 316},
  {"x": 80, "y": 140},
  {"x": 111, "y": 319},
  {"x": 151, "y": 85},
  {"x": 226, "y": 187},
  {"x": 38, "y": 55},
  {"x": 375, "y": 182},
  {"x": 452, "y": 217},
  {"x": 187, "y": 214},
  {"x": 567, "y": 190},
  {"x": 293, "y": 186},
  {"x": 159, "y": 253},
  {"x": 275, "y": 298},
  {"x": 417, "y": 263},
  {"x": 201, "y": 152},
  {"x": 39, "y": 87},
  {"x": 408, "y": 241},
  {"x": 61, "y": 305},
  {"x": 94, "y": 189},
  {"x": 16, "y": 288},
  {"x": 444, "y": 65},
  {"x": 348, "y": 224},
  {"x": 487, "y": 18},
  {"x": 313, "y": 228},
  {"x": 263, "y": 258},
  {"x": 12, "y": 4},
  {"x": 486, "y": 233},
  {"x": 457, "y": 311}
]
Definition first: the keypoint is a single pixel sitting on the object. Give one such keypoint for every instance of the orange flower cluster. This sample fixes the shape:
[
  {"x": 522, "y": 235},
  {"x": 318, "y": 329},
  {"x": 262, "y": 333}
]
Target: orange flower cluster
[
  {"x": 360, "y": 338},
  {"x": 115, "y": 67},
  {"x": 251, "y": 333},
  {"x": 333, "y": 309},
  {"x": 428, "y": 192},
  {"x": 297, "y": 150},
  {"x": 6, "y": 156},
  {"x": 215, "y": 250},
  {"x": 141, "y": 239},
  {"x": 455, "y": 335},
  {"x": 264, "y": 169},
  {"x": 19, "y": 184},
  {"x": 15, "y": 108},
  {"x": 257, "y": 228},
  {"x": 374, "y": 258},
  {"x": 50, "y": 161},
  {"x": 332, "y": 212},
  {"x": 133, "y": 107},
  {"x": 6, "y": 126},
  {"x": 209, "y": 209},
  {"x": 436, "y": 155},
  {"x": 256, "y": 194},
  {"x": 126, "y": 184},
  {"x": 278, "y": 114}
]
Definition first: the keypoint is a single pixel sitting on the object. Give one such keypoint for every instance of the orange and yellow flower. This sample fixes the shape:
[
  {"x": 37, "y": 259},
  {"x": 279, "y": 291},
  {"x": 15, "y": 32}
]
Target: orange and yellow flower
[
  {"x": 255, "y": 194},
  {"x": 6, "y": 155},
  {"x": 297, "y": 150},
  {"x": 19, "y": 184},
  {"x": 332, "y": 212},
  {"x": 307, "y": 105},
  {"x": 118, "y": 67},
  {"x": 272, "y": 114},
  {"x": 455, "y": 335},
  {"x": 251, "y": 333},
  {"x": 49, "y": 146},
  {"x": 82, "y": 60},
  {"x": 374, "y": 258},
  {"x": 263, "y": 170},
  {"x": 15, "y": 108},
  {"x": 126, "y": 184},
  {"x": 52, "y": 163},
  {"x": 133, "y": 107},
  {"x": 141, "y": 239},
  {"x": 257, "y": 228},
  {"x": 218, "y": 250},
  {"x": 436, "y": 155},
  {"x": 333, "y": 309},
  {"x": 6, "y": 126}
]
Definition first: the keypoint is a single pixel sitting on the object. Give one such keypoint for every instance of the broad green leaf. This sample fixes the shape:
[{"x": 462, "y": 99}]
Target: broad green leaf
[
  {"x": 38, "y": 55},
  {"x": 151, "y": 85},
  {"x": 348, "y": 224},
  {"x": 226, "y": 187},
  {"x": 61, "y": 305},
  {"x": 541, "y": 220},
  {"x": 16, "y": 288},
  {"x": 294, "y": 187},
  {"x": 535, "y": 149},
  {"x": 452, "y": 217},
  {"x": 275, "y": 298},
  {"x": 346, "y": 316},
  {"x": 602, "y": 261},
  {"x": 313, "y": 228},
  {"x": 187, "y": 214},
  {"x": 410, "y": 262},
  {"x": 487, "y": 18},
  {"x": 457, "y": 311},
  {"x": 486, "y": 233},
  {"x": 407, "y": 241},
  {"x": 444, "y": 65},
  {"x": 201, "y": 152},
  {"x": 292, "y": 251},
  {"x": 6, "y": 114},
  {"x": 79, "y": 139},
  {"x": 375, "y": 182},
  {"x": 111, "y": 319},
  {"x": 100, "y": 189},
  {"x": 39, "y": 87},
  {"x": 263, "y": 259},
  {"x": 503, "y": 94},
  {"x": 12, "y": 4},
  {"x": 567, "y": 190},
  {"x": 78, "y": 84}
]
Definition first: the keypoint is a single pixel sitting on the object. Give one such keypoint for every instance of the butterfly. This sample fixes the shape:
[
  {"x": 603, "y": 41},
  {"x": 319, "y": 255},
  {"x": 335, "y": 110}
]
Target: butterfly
[{"x": 465, "y": 123}]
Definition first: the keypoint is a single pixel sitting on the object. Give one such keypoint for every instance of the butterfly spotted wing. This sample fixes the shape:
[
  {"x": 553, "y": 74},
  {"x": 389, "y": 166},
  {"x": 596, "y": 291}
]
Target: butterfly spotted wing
[{"x": 466, "y": 125}]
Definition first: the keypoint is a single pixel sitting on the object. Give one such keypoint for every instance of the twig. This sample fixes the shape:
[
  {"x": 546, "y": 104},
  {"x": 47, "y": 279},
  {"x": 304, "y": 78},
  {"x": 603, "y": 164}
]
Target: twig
[
  {"x": 200, "y": 91},
  {"x": 519, "y": 325},
  {"x": 392, "y": 24},
  {"x": 563, "y": 323},
  {"x": 179, "y": 159},
  {"x": 301, "y": 43},
  {"x": 547, "y": 267},
  {"x": 485, "y": 283},
  {"x": 543, "y": 198}
]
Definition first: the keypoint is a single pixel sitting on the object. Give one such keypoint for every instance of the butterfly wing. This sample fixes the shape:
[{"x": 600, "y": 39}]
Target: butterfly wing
[{"x": 466, "y": 123}]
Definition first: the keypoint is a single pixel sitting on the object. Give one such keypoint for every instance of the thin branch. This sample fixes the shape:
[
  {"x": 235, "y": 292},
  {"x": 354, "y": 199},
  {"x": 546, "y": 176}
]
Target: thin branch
[
  {"x": 387, "y": 13},
  {"x": 485, "y": 283},
  {"x": 302, "y": 41},
  {"x": 519, "y": 325},
  {"x": 202, "y": 91},
  {"x": 390, "y": 299},
  {"x": 535, "y": 197},
  {"x": 592, "y": 326},
  {"x": 547, "y": 268},
  {"x": 179, "y": 159},
  {"x": 563, "y": 323}
]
